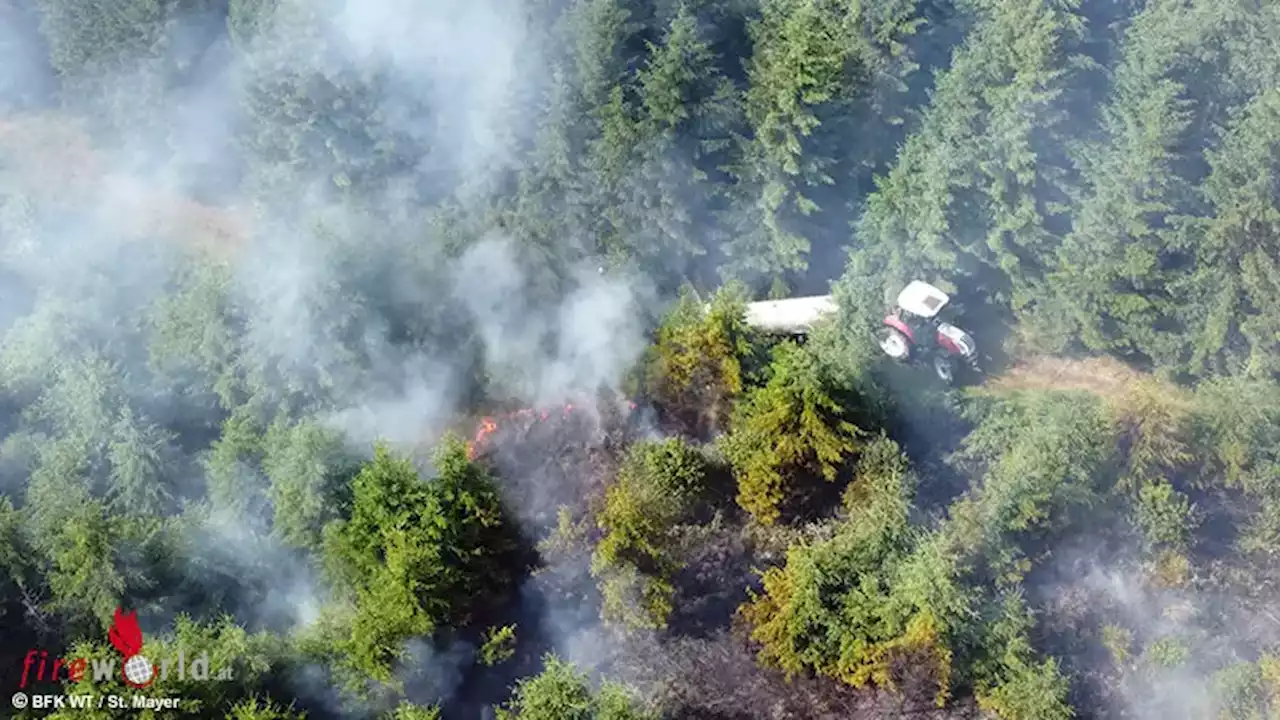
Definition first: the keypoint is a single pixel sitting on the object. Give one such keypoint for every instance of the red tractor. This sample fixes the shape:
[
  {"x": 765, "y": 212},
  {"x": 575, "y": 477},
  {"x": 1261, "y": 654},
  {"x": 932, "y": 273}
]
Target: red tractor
[{"x": 912, "y": 333}]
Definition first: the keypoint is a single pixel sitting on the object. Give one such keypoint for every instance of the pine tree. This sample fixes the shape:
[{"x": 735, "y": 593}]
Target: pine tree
[
  {"x": 416, "y": 556},
  {"x": 656, "y": 488},
  {"x": 790, "y": 426},
  {"x": 1122, "y": 282},
  {"x": 975, "y": 196},
  {"x": 656, "y": 153},
  {"x": 561, "y": 692},
  {"x": 314, "y": 111},
  {"x": 1231, "y": 297},
  {"x": 817, "y": 69},
  {"x": 308, "y": 467}
]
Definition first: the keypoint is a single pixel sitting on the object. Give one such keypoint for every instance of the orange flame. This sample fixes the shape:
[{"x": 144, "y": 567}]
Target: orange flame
[
  {"x": 125, "y": 634},
  {"x": 489, "y": 424}
]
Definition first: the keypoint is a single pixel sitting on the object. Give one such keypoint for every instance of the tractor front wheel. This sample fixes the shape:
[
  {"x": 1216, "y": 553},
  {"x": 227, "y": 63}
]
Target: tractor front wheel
[
  {"x": 895, "y": 344},
  {"x": 944, "y": 367}
]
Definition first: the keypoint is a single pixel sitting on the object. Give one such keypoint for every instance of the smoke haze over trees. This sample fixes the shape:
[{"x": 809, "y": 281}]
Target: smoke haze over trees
[{"x": 266, "y": 265}]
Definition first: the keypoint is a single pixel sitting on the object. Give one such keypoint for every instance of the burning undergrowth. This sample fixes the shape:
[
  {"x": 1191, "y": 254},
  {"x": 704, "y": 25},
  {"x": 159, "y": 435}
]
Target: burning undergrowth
[
  {"x": 555, "y": 465},
  {"x": 521, "y": 421},
  {"x": 553, "y": 457}
]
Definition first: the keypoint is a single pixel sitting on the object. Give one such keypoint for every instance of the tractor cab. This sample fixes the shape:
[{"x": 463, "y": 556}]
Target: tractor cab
[{"x": 918, "y": 306}]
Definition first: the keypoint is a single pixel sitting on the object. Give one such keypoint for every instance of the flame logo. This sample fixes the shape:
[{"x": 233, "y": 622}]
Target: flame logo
[{"x": 125, "y": 634}]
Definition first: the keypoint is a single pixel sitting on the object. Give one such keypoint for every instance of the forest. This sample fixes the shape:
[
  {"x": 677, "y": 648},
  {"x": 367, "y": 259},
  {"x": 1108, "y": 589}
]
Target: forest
[{"x": 394, "y": 357}]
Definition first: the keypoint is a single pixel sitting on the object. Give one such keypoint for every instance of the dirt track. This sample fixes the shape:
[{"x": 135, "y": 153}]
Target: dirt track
[{"x": 1102, "y": 376}]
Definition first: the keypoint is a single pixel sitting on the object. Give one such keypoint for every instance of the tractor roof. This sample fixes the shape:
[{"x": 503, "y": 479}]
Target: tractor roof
[{"x": 921, "y": 298}]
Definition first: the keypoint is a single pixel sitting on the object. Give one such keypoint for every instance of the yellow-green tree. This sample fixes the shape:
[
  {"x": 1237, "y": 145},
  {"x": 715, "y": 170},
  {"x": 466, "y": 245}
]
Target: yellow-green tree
[
  {"x": 635, "y": 561},
  {"x": 789, "y": 428},
  {"x": 857, "y": 606},
  {"x": 702, "y": 358}
]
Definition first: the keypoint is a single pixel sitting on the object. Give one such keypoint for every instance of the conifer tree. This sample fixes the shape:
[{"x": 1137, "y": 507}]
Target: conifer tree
[{"x": 790, "y": 426}]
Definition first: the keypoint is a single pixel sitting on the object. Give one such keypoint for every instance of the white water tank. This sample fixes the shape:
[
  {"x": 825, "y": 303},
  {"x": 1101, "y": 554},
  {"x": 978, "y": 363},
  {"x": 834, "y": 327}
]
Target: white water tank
[{"x": 793, "y": 316}]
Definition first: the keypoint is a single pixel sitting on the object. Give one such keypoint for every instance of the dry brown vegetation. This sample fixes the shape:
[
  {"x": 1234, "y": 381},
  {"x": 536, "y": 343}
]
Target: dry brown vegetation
[
  {"x": 52, "y": 152},
  {"x": 54, "y": 159},
  {"x": 1103, "y": 376},
  {"x": 1134, "y": 398}
]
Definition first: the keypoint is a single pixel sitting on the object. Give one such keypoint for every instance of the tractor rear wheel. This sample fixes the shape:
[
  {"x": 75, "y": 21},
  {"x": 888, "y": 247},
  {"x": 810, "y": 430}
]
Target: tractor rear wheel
[{"x": 895, "y": 344}]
